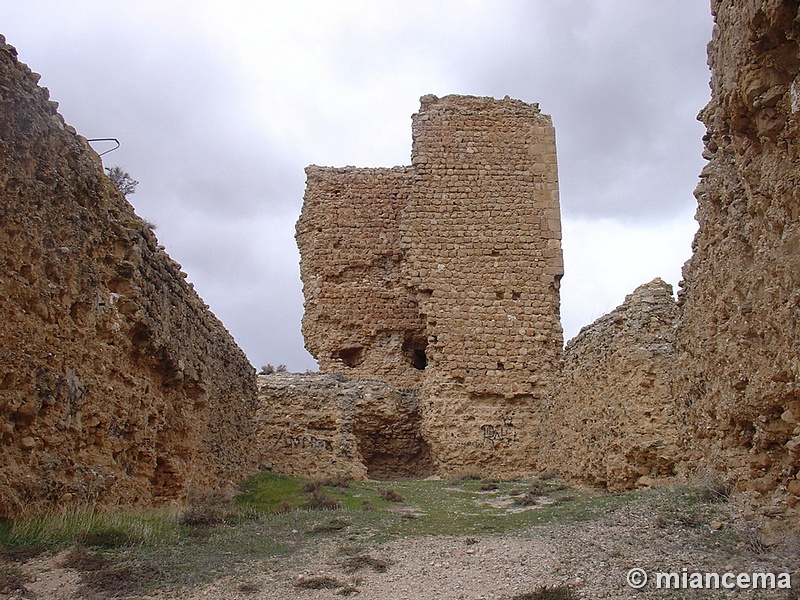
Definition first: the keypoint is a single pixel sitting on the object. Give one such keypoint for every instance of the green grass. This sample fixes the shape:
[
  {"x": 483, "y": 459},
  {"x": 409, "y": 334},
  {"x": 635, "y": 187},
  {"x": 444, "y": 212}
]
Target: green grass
[{"x": 269, "y": 519}]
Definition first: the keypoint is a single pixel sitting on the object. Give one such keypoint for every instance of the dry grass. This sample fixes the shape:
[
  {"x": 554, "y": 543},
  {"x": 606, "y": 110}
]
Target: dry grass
[
  {"x": 391, "y": 495},
  {"x": 318, "y": 582},
  {"x": 548, "y": 593},
  {"x": 207, "y": 506},
  {"x": 319, "y": 500}
]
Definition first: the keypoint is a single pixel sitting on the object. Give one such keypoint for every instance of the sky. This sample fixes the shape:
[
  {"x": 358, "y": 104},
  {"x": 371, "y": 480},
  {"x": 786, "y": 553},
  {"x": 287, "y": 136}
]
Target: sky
[{"x": 220, "y": 104}]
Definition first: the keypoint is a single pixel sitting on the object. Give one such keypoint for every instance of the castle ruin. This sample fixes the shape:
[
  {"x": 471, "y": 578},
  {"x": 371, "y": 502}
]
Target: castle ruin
[{"x": 442, "y": 277}]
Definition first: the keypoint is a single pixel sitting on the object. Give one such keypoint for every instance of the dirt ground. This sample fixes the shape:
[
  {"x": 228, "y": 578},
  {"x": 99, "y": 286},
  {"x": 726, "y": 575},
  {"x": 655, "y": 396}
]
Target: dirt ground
[{"x": 592, "y": 559}]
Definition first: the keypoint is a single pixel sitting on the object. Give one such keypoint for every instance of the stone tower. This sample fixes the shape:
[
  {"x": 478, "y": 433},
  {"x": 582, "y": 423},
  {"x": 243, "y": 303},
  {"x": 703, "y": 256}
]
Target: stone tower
[{"x": 443, "y": 277}]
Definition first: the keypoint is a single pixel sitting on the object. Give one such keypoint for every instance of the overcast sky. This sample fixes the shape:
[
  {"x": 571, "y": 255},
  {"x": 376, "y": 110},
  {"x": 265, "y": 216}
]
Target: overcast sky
[{"x": 219, "y": 105}]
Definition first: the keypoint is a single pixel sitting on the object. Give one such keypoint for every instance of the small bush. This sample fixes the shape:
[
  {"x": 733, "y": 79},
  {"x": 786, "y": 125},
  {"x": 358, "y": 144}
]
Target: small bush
[
  {"x": 470, "y": 474},
  {"x": 248, "y": 588},
  {"x": 562, "y": 592},
  {"x": 207, "y": 506},
  {"x": 390, "y": 495},
  {"x": 283, "y": 508},
  {"x": 318, "y": 582},
  {"x": 356, "y": 562},
  {"x": 714, "y": 490},
  {"x": 340, "y": 480},
  {"x": 311, "y": 487},
  {"x": 267, "y": 370},
  {"x": 319, "y": 500}
]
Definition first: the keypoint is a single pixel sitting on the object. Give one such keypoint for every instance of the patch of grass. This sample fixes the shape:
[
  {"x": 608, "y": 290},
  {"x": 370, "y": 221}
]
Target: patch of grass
[
  {"x": 62, "y": 529},
  {"x": 265, "y": 492},
  {"x": 562, "y": 592},
  {"x": 318, "y": 582}
]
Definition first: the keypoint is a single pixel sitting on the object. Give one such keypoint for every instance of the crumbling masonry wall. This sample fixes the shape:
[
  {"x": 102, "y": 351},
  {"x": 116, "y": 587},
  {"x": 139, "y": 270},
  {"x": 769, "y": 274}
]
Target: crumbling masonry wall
[
  {"x": 443, "y": 277},
  {"x": 612, "y": 420},
  {"x": 739, "y": 334},
  {"x": 117, "y": 384},
  {"x": 359, "y": 315}
]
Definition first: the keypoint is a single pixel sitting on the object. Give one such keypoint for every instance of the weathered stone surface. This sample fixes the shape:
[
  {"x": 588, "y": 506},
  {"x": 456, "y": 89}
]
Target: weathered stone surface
[
  {"x": 442, "y": 277},
  {"x": 359, "y": 315},
  {"x": 739, "y": 334},
  {"x": 612, "y": 420},
  {"x": 323, "y": 425},
  {"x": 117, "y": 384}
]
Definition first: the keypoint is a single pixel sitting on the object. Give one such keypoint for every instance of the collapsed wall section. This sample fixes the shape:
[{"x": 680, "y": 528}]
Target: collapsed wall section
[
  {"x": 739, "y": 333},
  {"x": 612, "y": 420},
  {"x": 117, "y": 384},
  {"x": 321, "y": 426},
  {"x": 359, "y": 316}
]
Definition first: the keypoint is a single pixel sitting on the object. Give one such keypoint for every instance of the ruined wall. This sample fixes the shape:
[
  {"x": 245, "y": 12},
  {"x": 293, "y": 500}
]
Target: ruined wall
[
  {"x": 443, "y": 277},
  {"x": 322, "y": 425},
  {"x": 117, "y": 384},
  {"x": 612, "y": 420},
  {"x": 739, "y": 334},
  {"x": 359, "y": 317}
]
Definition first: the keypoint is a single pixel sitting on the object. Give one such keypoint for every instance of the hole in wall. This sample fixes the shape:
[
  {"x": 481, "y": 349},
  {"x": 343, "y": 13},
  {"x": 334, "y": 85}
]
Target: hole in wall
[
  {"x": 414, "y": 352},
  {"x": 351, "y": 357}
]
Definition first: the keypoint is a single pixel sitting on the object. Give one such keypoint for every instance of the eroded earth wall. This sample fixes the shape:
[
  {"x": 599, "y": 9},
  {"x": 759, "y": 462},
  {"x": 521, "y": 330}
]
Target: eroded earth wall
[
  {"x": 739, "y": 334},
  {"x": 612, "y": 420},
  {"x": 117, "y": 384},
  {"x": 322, "y": 425}
]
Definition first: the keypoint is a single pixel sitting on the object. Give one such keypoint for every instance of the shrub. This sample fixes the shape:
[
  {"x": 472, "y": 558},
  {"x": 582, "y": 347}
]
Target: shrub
[
  {"x": 206, "y": 506},
  {"x": 318, "y": 582},
  {"x": 714, "y": 489},
  {"x": 562, "y": 592},
  {"x": 122, "y": 180},
  {"x": 319, "y": 500},
  {"x": 390, "y": 495},
  {"x": 340, "y": 480}
]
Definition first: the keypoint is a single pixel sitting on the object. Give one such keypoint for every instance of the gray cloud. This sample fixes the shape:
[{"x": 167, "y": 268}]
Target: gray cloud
[{"x": 220, "y": 107}]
